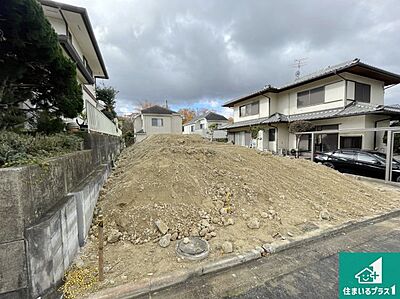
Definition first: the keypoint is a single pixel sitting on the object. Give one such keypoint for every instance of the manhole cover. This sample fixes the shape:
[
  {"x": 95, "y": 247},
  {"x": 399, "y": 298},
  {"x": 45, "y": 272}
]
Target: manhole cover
[{"x": 193, "y": 248}]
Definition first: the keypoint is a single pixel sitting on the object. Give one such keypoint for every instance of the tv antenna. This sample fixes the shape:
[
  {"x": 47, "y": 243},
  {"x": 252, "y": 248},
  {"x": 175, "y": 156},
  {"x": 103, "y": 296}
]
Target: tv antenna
[{"x": 298, "y": 63}]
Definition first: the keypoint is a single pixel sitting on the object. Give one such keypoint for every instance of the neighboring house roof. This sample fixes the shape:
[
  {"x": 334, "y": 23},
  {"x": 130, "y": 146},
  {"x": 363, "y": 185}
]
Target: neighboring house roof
[
  {"x": 211, "y": 116},
  {"x": 85, "y": 17},
  {"x": 157, "y": 110},
  {"x": 214, "y": 116},
  {"x": 354, "y": 66},
  {"x": 352, "y": 109}
]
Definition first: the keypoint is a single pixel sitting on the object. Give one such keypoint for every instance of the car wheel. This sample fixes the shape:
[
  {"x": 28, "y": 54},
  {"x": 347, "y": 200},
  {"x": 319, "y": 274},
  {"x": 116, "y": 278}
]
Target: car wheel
[
  {"x": 329, "y": 164},
  {"x": 398, "y": 179}
]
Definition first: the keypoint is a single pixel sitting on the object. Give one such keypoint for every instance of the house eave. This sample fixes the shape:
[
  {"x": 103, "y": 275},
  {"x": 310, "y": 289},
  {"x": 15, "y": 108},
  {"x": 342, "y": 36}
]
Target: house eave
[
  {"x": 69, "y": 48},
  {"x": 85, "y": 17},
  {"x": 354, "y": 67}
]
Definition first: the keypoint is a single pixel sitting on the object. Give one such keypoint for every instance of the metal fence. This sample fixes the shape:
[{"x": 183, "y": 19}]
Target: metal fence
[
  {"x": 390, "y": 131},
  {"x": 98, "y": 122}
]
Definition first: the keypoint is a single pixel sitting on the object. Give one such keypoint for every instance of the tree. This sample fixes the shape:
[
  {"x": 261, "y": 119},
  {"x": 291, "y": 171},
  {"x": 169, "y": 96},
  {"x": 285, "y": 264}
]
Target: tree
[
  {"x": 187, "y": 114},
  {"x": 34, "y": 74},
  {"x": 145, "y": 104},
  {"x": 300, "y": 126},
  {"x": 127, "y": 128},
  {"x": 107, "y": 95}
]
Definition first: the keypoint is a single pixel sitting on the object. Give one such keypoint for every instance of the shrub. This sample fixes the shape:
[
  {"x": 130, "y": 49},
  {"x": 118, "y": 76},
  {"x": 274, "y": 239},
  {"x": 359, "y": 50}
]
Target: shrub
[{"x": 18, "y": 149}]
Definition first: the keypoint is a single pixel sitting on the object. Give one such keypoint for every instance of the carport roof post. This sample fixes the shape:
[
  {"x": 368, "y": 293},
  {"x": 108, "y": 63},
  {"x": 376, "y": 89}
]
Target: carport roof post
[{"x": 389, "y": 148}]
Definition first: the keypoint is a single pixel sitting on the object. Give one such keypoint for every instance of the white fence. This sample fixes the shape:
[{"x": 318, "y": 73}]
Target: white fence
[{"x": 98, "y": 122}]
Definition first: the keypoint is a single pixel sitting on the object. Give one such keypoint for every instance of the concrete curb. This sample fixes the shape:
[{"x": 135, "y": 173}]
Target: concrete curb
[
  {"x": 323, "y": 233},
  {"x": 368, "y": 179},
  {"x": 147, "y": 285},
  {"x": 131, "y": 290}
]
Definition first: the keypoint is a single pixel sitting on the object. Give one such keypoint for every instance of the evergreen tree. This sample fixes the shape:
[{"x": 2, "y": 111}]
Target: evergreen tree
[
  {"x": 107, "y": 95},
  {"x": 35, "y": 76}
]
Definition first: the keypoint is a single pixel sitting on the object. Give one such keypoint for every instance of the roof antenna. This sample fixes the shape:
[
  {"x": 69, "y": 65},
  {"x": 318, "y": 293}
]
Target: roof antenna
[
  {"x": 298, "y": 63},
  {"x": 166, "y": 104}
]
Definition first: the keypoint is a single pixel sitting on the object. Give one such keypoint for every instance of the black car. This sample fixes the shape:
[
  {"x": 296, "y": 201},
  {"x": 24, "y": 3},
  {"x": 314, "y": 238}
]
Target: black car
[{"x": 359, "y": 162}]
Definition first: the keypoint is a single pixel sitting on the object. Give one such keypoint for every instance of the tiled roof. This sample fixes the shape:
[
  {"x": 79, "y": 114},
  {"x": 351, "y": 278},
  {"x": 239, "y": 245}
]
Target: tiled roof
[
  {"x": 350, "y": 110},
  {"x": 394, "y": 108},
  {"x": 208, "y": 116},
  {"x": 322, "y": 72},
  {"x": 215, "y": 116},
  {"x": 315, "y": 115},
  {"x": 245, "y": 123},
  {"x": 157, "y": 110},
  {"x": 350, "y": 65}
]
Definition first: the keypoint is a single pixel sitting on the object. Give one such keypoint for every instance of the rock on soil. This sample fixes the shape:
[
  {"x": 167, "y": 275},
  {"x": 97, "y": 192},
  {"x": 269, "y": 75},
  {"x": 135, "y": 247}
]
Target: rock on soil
[
  {"x": 162, "y": 227},
  {"x": 227, "y": 247},
  {"x": 253, "y": 223},
  {"x": 324, "y": 215},
  {"x": 114, "y": 236},
  {"x": 165, "y": 241}
]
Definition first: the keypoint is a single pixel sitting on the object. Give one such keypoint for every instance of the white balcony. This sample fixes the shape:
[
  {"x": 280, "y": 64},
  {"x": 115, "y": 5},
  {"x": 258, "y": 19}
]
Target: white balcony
[{"x": 98, "y": 122}]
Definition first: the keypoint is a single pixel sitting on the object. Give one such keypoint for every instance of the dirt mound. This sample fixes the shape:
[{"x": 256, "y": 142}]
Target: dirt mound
[
  {"x": 197, "y": 187},
  {"x": 168, "y": 187}
]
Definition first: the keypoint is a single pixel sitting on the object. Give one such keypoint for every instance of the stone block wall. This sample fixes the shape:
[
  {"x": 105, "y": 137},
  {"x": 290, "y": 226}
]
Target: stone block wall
[{"x": 40, "y": 223}]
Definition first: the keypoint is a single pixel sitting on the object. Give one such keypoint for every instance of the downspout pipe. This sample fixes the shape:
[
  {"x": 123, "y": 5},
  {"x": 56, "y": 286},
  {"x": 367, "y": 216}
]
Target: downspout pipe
[{"x": 269, "y": 114}]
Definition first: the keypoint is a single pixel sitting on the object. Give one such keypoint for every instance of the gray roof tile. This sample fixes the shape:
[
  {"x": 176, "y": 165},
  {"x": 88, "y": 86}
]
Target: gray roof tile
[
  {"x": 157, "y": 110},
  {"x": 322, "y": 73},
  {"x": 350, "y": 110},
  {"x": 209, "y": 116}
]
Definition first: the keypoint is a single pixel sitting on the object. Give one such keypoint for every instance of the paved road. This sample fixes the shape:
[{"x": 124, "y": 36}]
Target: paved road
[{"x": 309, "y": 271}]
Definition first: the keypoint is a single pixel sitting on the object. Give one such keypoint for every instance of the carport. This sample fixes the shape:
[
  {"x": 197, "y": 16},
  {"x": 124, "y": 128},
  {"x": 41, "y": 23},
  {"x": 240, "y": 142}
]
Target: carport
[{"x": 390, "y": 133}]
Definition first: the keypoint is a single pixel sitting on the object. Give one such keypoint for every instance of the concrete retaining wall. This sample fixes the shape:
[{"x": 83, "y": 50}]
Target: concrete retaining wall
[{"x": 45, "y": 214}]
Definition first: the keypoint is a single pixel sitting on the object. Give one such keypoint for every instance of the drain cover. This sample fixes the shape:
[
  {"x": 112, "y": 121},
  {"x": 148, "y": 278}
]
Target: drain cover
[{"x": 193, "y": 248}]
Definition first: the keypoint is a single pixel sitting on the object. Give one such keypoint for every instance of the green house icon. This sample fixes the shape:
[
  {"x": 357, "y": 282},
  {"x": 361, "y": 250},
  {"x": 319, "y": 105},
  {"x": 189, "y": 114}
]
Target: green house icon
[{"x": 371, "y": 274}]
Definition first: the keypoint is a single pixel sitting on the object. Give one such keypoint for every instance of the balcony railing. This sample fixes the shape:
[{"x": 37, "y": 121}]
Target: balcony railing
[{"x": 98, "y": 122}]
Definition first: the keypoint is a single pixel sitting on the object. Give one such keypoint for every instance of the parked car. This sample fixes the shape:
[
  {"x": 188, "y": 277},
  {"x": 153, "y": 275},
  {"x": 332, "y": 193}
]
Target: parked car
[{"x": 359, "y": 162}]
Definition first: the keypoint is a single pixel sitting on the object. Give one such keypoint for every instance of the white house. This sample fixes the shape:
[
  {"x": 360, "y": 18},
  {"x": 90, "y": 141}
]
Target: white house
[
  {"x": 201, "y": 125},
  {"x": 78, "y": 42},
  {"x": 349, "y": 95},
  {"x": 156, "y": 120}
]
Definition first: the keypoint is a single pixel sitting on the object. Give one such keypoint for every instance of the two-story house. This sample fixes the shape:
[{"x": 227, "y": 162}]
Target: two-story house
[
  {"x": 156, "y": 120},
  {"x": 203, "y": 124},
  {"x": 349, "y": 95},
  {"x": 76, "y": 36}
]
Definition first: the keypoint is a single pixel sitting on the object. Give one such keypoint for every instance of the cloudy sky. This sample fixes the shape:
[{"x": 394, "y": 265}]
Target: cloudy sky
[{"x": 199, "y": 53}]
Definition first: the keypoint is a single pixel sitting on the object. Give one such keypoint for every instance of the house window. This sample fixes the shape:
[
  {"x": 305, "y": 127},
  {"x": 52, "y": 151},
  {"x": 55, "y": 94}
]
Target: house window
[
  {"x": 192, "y": 128},
  {"x": 201, "y": 126},
  {"x": 311, "y": 97},
  {"x": 351, "y": 142},
  {"x": 157, "y": 122},
  {"x": 271, "y": 135},
  {"x": 362, "y": 92},
  {"x": 249, "y": 109}
]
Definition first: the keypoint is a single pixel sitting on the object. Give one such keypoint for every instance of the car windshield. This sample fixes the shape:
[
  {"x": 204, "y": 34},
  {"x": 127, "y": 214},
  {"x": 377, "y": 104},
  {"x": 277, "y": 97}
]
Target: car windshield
[{"x": 382, "y": 157}]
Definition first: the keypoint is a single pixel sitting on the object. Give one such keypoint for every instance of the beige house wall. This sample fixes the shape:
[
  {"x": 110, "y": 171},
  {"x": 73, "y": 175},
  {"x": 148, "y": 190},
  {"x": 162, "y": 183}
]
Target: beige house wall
[
  {"x": 172, "y": 124},
  {"x": 263, "y": 109}
]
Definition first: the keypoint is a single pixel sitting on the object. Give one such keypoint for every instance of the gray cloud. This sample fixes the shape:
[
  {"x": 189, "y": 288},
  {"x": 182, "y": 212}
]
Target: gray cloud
[{"x": 193, "y": 51}]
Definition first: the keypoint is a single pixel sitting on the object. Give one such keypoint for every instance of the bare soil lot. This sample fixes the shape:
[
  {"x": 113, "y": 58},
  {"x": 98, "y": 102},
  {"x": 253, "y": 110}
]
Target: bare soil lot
[{"x": 221, "y": 192}]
